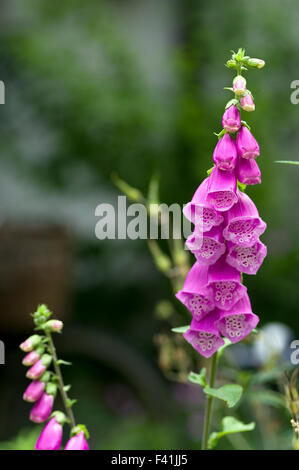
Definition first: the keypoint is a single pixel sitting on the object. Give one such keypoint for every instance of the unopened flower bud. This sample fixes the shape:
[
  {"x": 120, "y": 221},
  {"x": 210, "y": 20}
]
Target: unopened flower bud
[
  {"x": 258, "y": 63},
  {"x": 77, "y": 442},
  {"x": 239, "y": 85},
  {"x": 42, "y": 408},
  {"x": 30, "y": 343},
  {"x": 54, "y": 325},
  {"x": 34, "y": 391},
  {"x": 231, "y": 119},
  {"x": 247, "y": 103},
  {"x": 39, "y": 367},
  {"x": 51, "y": 436},
  {"x": 30, "y": 358}
]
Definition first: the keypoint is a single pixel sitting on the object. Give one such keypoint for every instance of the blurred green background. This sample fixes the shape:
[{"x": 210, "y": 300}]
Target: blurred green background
[{"x": 136, "y": 88}]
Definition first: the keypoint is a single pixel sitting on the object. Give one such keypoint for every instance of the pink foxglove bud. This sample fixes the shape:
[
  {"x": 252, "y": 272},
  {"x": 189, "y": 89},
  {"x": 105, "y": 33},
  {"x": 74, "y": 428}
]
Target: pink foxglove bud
[
  {"x": 247, "y": 146},
  {"x": 199, "y": 212},
  {"x": 51, "y": 436},
  {"x": 30, "y": 343},
  {"x": 207, "y": 247},
  {"x": 247, "y": 171},
  {"x": 30, "y": 358},
  {"x": 222, "y": 189},
  {"x": 77, "y": 442},
  {"x": 42, "y": 408},
  {"x": 203, "y": 336},
  {"x": 54, "y": 326},
  {"x": 258, "y": 63},
  {"x": 39, "y": 367},
  {"x": 224, "y": 284},
  {"x": 247, "y": 103},
  {"x": 231, "y": 119},
  {"x": 238, "y": 322},
  {"x": 239, "y": 85},
  {"x": 34, "y": 391},
  {"x": 244, "y": 225},
  {"x": 246, "y": 259},
  {"x": 194, "y": 294},
  {"x": 225, "y": 153}
]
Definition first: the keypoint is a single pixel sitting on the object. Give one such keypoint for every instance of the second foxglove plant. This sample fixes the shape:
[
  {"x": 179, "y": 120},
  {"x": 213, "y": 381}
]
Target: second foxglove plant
[{"x": 44, "y": 385}]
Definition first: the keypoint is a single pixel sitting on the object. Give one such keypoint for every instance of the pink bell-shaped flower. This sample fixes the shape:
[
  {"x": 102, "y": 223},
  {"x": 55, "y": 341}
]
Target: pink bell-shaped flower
[
  {"x": 231, "y": 119},
  {"x": 42, "y": 408},
  {"x": 207, "y": 247},
  {"x": 222, "y": 189},
  {"x": 238, "y": 322},
  {"x": 246, "y": 259},
  {"x": 247, "y": 103},
  {"x": 203, "y": 336},
  {"x": 199, "y": 212},
  {"x": 247, "y": 171},
  {"x": 247, "y": 146},
  {"x": 224, "y": 283},
  {"x": 77, "y": 442},
  {"x": 194, "y": 294},
  {"x": 225, "y": 153},
  {"x": 34, "y": 391},
  {"x": 243, "y": 223}
]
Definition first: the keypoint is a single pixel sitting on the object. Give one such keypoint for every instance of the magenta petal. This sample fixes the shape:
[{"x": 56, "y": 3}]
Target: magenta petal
[
  {"x": 247, "y": 146},
  {"x": 42, "y": 408},
  {"x": 244, "y": 225},
  {"x": 247, "y": 103},
  {"x": 222, "y": 189},
  {"x": 231, "y": 119},
  {"x": 207, "y": 247},
  {"x": 238, "y": 322},
  {"x": 50, "y": 437},
  {"x": 199, "y": 212},
  {"x": 34, "y": 391},
  {"x": 248, "y": 171},
  {"x": 77, "y": 442},
  {"x": 246, "y": 259},
  {"x": 225, "y": 153},
  {"x": 36, "y": 370},
  {"x": 30, "y": 358},
  {"x": 224, "y": 283},
  {"x": 194, "y": 294},
  {"x": 204, "y": 336}
]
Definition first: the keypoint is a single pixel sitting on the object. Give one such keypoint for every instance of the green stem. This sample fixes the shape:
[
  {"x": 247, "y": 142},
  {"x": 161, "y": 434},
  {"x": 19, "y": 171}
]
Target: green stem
[
  {"x": 58, "y": 373},
  {"x": 208, "y": 414}
]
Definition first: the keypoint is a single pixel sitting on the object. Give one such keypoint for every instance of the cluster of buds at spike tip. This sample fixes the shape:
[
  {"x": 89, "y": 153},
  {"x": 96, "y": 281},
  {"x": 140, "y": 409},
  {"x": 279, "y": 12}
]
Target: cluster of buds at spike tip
[
  {"x": 44, "y": 385},
  {"x": 226, "y": 237}
]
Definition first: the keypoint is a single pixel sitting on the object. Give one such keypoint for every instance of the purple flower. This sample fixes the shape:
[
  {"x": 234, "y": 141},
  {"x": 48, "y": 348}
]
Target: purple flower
[
  {"x": 247, "y": 103},
  {"x": 246, "y": 259},
  {"x": 238, "y": 322},
  {"x": 31, "y": 358},
  {"x": 51, "y": 436},
  {"x": 77, "y": 442},
  {"x": 34, "y": 391},
  {"x": 42, "y": 408},
  {"x": 199, "y": 212},
  {"x": 222, "y": 189},
  {"x": 239, "y": 85},
  {"x": 225, "y": 153},
  {"x": 224, "y": 284},
  {"x": 247, "y": 171},
  {"x": 194, "y": 294},
  {"x": 231, "y": 119},
  {"x": 247, "y": 146},
  {"x": 203, "y": 336},
  {"x": 39, "y": 367},
  {"x": 244, "y": 225},
  {"x": 207, "y": 247}
]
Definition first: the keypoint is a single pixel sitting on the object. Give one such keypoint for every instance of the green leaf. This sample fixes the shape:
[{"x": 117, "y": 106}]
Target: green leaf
[
  {"x": 230, "y": 425},
  {"x": 66, "y": 388},
  {"x": 62, "y": 362},
  {"x": 70, "y": 402},
  {"x": 180, "y": 329},
  {"x": 199, "y": 379},
  {"x": 288, "y": 162},
  {"x": 231, "y": 393}
]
